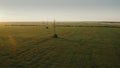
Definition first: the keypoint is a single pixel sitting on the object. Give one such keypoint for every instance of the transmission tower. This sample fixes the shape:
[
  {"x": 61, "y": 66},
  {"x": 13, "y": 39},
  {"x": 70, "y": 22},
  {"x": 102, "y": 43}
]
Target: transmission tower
[{"x": 54, "y": 27}]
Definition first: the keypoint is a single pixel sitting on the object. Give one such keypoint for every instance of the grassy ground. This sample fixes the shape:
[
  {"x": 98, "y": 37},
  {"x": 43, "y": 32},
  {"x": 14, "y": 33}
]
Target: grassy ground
[{"x": 76, "y": 47}]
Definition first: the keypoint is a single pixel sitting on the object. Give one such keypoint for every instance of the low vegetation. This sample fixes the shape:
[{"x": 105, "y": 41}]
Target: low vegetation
[{"x": 76, "y": 47}]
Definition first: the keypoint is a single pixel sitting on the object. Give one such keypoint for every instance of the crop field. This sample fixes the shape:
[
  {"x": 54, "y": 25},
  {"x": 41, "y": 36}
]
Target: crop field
[{"x": 82, "y": 46}]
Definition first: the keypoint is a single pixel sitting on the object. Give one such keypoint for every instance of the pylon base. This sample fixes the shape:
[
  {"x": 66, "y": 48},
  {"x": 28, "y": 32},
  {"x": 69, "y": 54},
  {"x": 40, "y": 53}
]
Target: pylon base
[{"x": 55, "y": 36}]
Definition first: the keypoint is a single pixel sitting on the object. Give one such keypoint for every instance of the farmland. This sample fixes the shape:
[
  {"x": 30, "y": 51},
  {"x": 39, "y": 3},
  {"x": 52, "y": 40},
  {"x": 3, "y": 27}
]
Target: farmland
[{"x": 82, "y": 46}]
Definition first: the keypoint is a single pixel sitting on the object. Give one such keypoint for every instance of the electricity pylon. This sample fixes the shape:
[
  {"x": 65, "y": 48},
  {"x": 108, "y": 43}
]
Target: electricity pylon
[
  {"x": 54, "y": 27},
  {"x": 46, "y": 25}
]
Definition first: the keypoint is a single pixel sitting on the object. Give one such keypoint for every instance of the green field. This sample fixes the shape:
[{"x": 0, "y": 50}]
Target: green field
[{"x": 76, "y": 47}]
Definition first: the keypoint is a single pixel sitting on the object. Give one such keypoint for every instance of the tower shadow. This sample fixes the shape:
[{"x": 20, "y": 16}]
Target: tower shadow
[{"x": 71, "y": 41}]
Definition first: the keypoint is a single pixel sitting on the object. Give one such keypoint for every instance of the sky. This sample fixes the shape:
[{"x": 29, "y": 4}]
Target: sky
[{"x": 61, "y": 10}]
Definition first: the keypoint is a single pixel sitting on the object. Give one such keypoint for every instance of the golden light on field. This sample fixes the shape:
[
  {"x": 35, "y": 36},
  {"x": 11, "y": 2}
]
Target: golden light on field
[{"x": 12, "y": 42}]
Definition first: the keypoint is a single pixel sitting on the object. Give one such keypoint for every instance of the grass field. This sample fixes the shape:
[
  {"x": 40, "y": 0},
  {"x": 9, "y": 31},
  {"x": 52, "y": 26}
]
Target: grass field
[{"x": 76, "y": 47}]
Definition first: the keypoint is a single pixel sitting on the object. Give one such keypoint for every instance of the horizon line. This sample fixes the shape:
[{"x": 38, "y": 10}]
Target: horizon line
[{"x": 56, "y": 21}]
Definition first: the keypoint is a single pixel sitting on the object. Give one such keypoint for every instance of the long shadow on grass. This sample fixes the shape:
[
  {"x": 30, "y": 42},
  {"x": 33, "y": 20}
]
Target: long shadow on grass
[
  {"x": 81, "y": 42},
  {"x": 72, "y": 41},
  {"x": 36, "y": 43},
  {"x": 33, "y": 44}
]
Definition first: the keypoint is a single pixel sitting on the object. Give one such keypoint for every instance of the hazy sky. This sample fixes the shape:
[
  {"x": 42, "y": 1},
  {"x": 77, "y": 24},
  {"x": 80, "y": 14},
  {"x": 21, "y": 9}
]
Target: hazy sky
[{"x": 61, "y": 10}]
